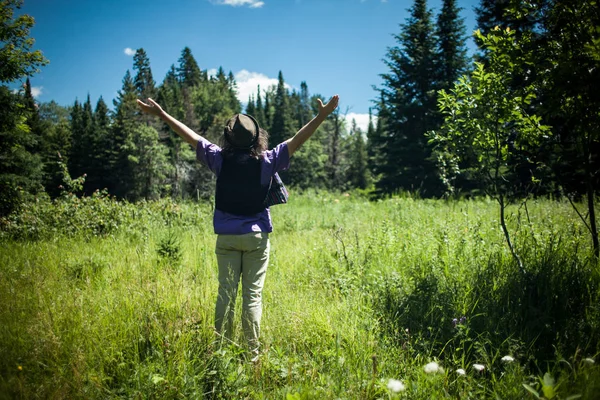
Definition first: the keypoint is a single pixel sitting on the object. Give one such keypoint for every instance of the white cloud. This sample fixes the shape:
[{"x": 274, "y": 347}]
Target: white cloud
[
  {"x": 129, "y": 51},
  {"x": 238, "y": 3},
  {"x": 362, "y": 121},
  {"x": 211, "y": 72},
  {"x": 36, "y": 91},
  {"x": 247, "y": 84}
]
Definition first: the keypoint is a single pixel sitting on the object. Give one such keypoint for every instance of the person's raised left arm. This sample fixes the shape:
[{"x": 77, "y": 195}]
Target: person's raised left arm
[{"x": 307, "y": 130}]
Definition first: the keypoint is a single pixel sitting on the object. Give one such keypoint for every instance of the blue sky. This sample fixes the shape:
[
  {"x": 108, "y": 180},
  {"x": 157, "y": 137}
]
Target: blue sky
[{"x": 336, "y": 46}]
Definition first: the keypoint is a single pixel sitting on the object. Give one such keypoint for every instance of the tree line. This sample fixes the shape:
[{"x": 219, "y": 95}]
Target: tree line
[{"x": 530, "y": 88}]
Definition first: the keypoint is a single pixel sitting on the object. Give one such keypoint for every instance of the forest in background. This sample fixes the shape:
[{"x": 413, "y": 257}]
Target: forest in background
[{"x": 540, "y": 115}]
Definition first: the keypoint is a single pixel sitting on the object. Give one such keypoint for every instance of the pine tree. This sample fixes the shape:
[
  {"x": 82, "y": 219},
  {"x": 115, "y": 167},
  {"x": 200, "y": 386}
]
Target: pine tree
[
  {"x": 373, "y": 145},
  {"x": 358, "y": 171},
  {"x": 334, "y": 150},
  {"x": 411, "y": 111},
  {"x": 251, "y": 107},
  {"x": 143, "y": 81},
  {"x": 452, "y": 57},
  {"x": 90, "y": 163},
  {"x": 304, "y": 112},
  {"x": 102, "y": 133},
  {"x": 55, "y": 145},
  {"x": 283, "y": 124},
  {"x": 149, "y": 164},
  {"x": 126, "y": 112},
  {"x": 189, "y": 73},
  {"x": 76, "y": 154},
  {"x": 260, "y": 111},
  {"x": 170, "y": 97},
  {"x": 20, "y": 168}
]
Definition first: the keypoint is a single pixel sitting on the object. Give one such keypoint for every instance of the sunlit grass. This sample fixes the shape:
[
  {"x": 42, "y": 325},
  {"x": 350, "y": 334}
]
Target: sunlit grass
[{"x": 130, "y": 314}]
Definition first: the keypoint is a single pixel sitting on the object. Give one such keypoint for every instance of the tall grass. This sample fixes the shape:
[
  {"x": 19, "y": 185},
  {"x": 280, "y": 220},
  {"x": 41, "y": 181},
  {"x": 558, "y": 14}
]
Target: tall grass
[{"x": 357, "y": 293}]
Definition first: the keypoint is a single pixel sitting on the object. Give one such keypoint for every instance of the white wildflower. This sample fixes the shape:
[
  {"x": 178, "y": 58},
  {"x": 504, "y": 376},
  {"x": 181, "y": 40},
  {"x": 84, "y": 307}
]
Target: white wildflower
[
  {"x": 479, "y": 367},
  {"x": 589, "y": 361},
  {"x": 396, "y": 386},
  {"x": 508, "y": 359},
  {"x": 461, "y": 371},
  {"x": 432, "y": 368}
]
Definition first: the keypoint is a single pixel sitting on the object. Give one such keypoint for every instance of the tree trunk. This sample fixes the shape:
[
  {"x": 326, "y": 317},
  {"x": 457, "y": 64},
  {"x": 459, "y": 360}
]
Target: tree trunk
[
  {"x": 507, "y": 235},
  {"x": 592, "y": 214}
]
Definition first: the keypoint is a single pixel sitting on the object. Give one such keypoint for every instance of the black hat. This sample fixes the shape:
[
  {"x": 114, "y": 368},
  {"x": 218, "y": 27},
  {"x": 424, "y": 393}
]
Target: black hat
[{"x": 241, "y": 131}]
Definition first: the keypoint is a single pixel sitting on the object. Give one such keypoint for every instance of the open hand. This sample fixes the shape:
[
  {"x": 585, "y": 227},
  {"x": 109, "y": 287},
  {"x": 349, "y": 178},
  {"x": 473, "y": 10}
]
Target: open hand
[
  {"x": 151, "y": 107},
  {"x": 328, "y": 108}
]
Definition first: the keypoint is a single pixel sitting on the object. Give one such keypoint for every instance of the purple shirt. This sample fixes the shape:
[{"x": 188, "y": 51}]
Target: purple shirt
[{"x": 272, "y": 161}]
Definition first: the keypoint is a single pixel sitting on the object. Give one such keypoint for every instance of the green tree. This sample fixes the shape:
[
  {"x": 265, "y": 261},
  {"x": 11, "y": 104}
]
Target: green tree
[
  {"x": 189, "y": 72},
  {"x": 20, "y": 167},
  {"x": 143, "y": 80},
  {"x": 170, "y": 97},
  {"x": 569, "y": 57},
  {"x": 122, "y": 132},
  {"x": 283, "y": 123},
  {"x": 84, "y": 146},
  {"x": 409, "y": 96},
  {"x": 358, "y": 172},
  {"x": 260, "y": 110},
  {"x": 149, "y": 164},
  {"x": 485, "y": 119},
  {"x": 102, "y": 138},
  {"x": 451, "y": 48},
  {"x": 335, "y": 162},
  {"x": 17, "y": 59},
  {"x": 251, "y": 106},
  {"x": 55, "y": 144}
]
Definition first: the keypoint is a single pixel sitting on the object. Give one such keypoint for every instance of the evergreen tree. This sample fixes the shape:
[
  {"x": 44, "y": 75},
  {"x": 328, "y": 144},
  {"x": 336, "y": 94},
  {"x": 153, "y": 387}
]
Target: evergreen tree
[
  {"x": 170, "y": 97},
  {"x": 568, "y": 57},
  {"x": 101, "y": 153},
  {"x": 76, "y": 161},
  {"x": 189, "y": 73},
  {"x": 260, "y": 111},
  {"x": 91, "y": 165},
  {"x": 410, "y": 99},
  {"x": 452, "y": 52},
  {"x": 123, "y": 130},
  {"x": 251, "y": 107},
  {"x": 143, "y": 81},
  {"x": 149, "y": 164},
  {"x": 20, "y": 167},
  {"x": 304, "y": 112},
  {"x": 334, "y": 150},
  {"x": 283, "y": 123},
  {"x": 358, "y": 171},
  {"x": 55, "y": 145}
]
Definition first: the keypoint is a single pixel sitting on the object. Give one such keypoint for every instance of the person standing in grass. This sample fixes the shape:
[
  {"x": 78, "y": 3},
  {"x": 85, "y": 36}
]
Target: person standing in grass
[{"x": 244, "y": 168}]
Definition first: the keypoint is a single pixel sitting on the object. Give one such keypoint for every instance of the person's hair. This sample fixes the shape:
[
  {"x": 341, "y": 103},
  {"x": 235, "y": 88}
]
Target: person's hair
[{"x": 261, "y": 145}]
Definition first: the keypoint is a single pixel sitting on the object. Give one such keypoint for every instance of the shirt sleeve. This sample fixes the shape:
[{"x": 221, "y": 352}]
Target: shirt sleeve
[
  {"x": 277, "y": 159},
  {"x": 210, "y": 155}
]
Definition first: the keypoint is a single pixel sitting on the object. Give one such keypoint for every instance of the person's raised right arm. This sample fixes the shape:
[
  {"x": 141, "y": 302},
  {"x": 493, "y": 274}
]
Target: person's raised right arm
[{"x": 152, "y": 107}]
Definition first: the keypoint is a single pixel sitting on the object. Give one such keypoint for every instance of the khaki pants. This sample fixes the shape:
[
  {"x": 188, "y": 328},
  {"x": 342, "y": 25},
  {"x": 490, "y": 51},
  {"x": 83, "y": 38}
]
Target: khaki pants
[{"x": 245, "y": 256}]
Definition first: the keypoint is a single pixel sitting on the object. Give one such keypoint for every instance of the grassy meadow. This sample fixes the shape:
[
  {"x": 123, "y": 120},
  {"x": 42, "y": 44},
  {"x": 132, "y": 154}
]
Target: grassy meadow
[{"x": 398, "y": 298}]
